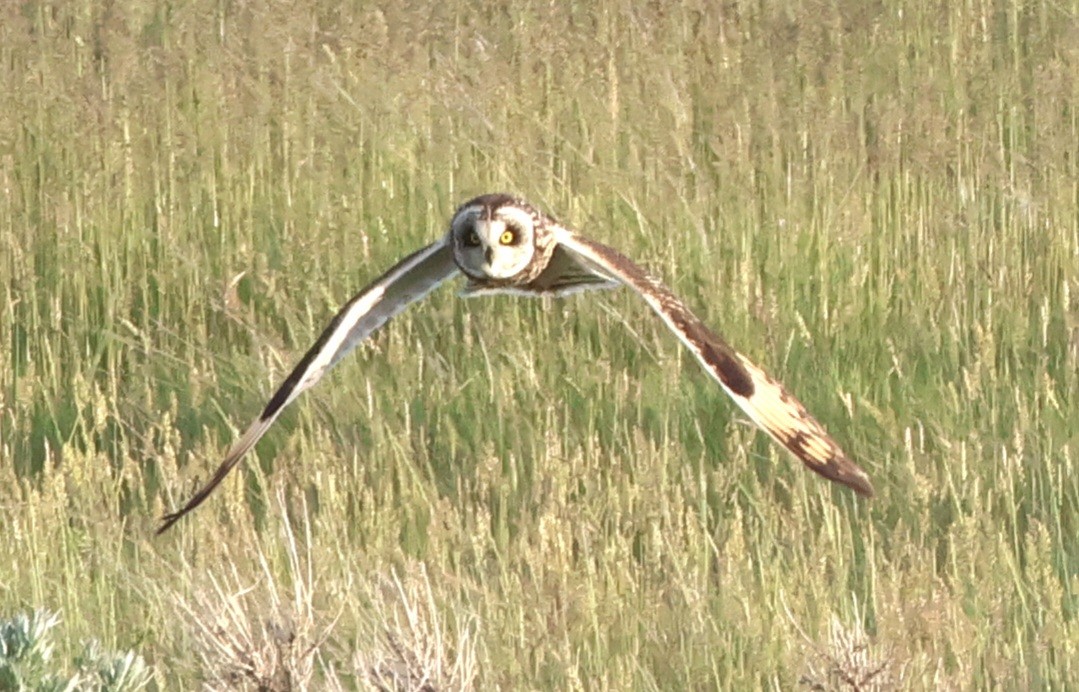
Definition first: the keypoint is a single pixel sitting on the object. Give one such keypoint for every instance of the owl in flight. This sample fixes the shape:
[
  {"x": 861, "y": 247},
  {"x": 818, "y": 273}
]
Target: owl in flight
[{"x": 503, "y": 244}]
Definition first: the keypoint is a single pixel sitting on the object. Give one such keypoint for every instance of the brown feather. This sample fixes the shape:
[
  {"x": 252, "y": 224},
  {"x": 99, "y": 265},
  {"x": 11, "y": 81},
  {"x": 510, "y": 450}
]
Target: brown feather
[{"x": 764, "y": 399}]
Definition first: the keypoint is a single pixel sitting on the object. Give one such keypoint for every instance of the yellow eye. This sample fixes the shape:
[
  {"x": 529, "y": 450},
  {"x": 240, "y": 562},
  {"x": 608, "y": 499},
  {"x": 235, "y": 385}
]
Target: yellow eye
[{"x": 507, "y": 237}]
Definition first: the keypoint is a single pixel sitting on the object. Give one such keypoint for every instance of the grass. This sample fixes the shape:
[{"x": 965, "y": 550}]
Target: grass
[{"x": 877, "y": 203}]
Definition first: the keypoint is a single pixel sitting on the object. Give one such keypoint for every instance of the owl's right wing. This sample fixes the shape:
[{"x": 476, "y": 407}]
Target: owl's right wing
[{"x": 409, "y": 280}]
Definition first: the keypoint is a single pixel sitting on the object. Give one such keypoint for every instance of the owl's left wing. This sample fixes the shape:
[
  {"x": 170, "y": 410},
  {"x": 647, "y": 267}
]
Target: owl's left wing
[
  {"x": 764, "y": 399},
  {"x": 409, "y": 280}
]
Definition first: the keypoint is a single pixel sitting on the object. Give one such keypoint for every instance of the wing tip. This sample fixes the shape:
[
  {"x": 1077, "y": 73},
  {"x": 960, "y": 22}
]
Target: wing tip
[
  {"x": 167, "y": 522},
  {"x": 845, "y": 472},
  {"x": 861, "y": 485}
]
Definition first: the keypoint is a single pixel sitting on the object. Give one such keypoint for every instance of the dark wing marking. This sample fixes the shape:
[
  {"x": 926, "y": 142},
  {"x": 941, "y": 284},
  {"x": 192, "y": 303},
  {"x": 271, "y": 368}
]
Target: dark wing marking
[
  {"x": 409, "y": 280},
  {"x": 765, "y": 400}
]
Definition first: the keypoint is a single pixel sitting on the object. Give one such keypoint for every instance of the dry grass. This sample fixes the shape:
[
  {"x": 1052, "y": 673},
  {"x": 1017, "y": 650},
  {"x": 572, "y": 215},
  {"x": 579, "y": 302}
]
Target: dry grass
[
  {"x": 271, "y": 635},
  {"x": 408, "y": 648},
  {"x": 878, "y": 203},
  {"x": 850, "y": 660},
  {"x": 262, "y": 636}
]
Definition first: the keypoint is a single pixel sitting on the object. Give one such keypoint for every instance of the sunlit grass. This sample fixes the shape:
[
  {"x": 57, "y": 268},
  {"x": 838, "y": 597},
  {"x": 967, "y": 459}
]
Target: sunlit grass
[{"x": 878, "y": 205}]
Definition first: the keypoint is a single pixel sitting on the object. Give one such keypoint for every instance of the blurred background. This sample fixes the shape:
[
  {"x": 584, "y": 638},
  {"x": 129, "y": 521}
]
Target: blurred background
[{"x": 877, "y": 202}]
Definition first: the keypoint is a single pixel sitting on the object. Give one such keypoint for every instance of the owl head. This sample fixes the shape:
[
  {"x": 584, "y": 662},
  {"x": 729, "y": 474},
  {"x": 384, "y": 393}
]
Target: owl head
[{"x": 493, "y": 237}]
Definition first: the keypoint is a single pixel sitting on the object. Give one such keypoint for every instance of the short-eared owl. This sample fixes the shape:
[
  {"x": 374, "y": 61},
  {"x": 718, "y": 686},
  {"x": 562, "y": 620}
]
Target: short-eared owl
[{"x": 505, "y": 245}]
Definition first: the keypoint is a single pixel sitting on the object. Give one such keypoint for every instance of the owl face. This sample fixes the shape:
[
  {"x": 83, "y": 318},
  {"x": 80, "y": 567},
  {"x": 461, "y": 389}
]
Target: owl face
[{"x": 493, "y": 238}]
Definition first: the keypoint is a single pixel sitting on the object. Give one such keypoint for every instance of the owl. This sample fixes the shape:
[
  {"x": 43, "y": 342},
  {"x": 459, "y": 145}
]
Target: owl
[{"x": 503, "y": 244}]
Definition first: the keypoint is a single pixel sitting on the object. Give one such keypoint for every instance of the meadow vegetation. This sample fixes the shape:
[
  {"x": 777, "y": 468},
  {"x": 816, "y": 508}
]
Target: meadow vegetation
[{"x": 878, "y": 202}]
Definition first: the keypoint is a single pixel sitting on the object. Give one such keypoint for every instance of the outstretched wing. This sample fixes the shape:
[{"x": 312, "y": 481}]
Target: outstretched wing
[
  {"x": 409, "y": 280},
  {"x": 770, "y": 406}
]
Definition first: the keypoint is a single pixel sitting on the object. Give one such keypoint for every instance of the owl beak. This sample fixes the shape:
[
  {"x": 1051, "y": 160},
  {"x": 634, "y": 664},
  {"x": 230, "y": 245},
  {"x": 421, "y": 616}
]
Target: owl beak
[{"x": 489, "y": 254}]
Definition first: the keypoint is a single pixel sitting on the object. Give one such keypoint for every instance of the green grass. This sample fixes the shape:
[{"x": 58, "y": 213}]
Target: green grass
[{"x": 880, "y": 204}]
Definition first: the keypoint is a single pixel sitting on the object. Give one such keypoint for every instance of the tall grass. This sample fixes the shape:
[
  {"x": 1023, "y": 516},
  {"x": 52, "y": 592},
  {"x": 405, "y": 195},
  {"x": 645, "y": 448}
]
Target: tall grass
[{"x": 879, "y": 203}]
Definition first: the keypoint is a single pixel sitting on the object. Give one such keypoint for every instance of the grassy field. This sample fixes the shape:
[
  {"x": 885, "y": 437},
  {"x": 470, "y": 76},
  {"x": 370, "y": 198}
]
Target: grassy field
[{"x": 877, "y": 202}]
